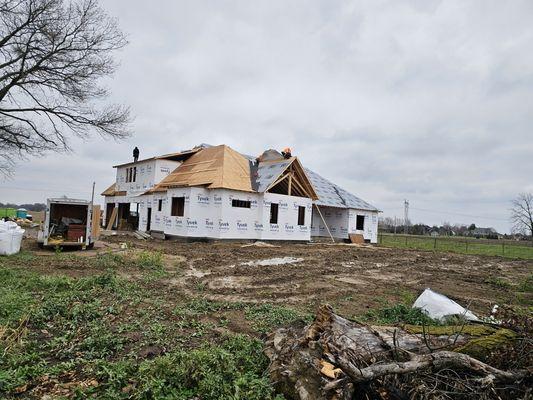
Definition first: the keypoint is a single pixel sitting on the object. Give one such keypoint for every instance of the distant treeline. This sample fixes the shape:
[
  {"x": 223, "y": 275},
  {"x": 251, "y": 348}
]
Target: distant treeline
[
  {"x": 390, "y": 225},
  {"x": 29, "y": 207}
]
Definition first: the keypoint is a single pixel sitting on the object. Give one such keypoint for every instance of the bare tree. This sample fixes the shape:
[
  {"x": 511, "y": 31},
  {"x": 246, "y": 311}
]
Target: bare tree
[
  {"x": 522, "y": 214},
  {"x": 53, "y": 55}
]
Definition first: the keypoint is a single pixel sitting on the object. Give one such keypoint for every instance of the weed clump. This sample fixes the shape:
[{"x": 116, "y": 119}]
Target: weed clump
[
  {"x": 232, "y": 370},
  {"x": 399, "y": 313},
  {"x": 265, "y": 317},
  {"x": 149, "y": 260}
]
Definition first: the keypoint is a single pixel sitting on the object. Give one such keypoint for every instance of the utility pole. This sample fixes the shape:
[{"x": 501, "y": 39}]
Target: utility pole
[{"x": 406, "y": 215}]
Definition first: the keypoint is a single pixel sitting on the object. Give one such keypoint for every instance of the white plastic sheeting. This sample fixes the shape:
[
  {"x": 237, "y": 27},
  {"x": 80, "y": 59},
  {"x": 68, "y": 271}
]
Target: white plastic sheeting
[
  {"x": 10, "y": 238},
  {"x": 438, "y": 306}
]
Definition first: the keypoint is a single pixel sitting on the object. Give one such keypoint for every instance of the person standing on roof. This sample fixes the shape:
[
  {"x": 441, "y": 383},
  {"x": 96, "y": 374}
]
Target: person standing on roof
[
  {"x": 135, "y": 154},
  {"x": 286, "y": 153}
]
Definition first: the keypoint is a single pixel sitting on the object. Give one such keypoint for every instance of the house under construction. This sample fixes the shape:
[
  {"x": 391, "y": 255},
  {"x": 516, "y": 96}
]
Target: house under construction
[{"x": 217, "y": 193}]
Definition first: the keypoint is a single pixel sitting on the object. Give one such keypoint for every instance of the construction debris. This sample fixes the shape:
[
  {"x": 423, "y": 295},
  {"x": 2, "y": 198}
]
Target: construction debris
[
  {"x": 142, "y": 235},
  {"x": 333, "y": 358},
  {"x": 274, "y": 261},
  {"x": 440, "y": 307},
  {"x": 259, "y": 243}
]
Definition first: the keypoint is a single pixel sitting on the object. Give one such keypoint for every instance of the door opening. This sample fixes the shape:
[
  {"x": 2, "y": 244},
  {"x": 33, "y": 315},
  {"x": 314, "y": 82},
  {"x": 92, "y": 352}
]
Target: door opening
[{"x": 149, "y": 218}]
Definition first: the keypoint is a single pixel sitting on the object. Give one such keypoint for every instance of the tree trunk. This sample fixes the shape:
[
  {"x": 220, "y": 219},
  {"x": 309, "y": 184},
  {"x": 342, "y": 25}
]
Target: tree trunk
[{"x": 333, "y": 358}]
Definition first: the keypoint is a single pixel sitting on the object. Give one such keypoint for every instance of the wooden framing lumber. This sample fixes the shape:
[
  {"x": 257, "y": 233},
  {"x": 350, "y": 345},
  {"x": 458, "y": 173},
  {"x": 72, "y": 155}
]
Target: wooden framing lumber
[
  {"x": 95, "y": 230},
  {"x": 290, "y": 183},
  {"x": 278, "y": 180},
  {"x": 112, "y": 219},
  {"x": 326, "y": 225}
]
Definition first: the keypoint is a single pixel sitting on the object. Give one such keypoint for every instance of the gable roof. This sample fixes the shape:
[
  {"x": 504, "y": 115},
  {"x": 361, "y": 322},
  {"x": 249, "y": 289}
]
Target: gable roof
[
  {"x": 213, "y": 167},
  {"x": 267, "y": 172},
  {"x": 331, "y": 195}
]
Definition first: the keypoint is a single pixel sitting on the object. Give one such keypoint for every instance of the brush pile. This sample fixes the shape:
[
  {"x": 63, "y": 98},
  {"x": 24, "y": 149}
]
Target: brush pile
[{"x": 334, "y": 358}]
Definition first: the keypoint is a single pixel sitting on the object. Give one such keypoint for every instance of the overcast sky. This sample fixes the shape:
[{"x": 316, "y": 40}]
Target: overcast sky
[{"x": 430, "y": 101}]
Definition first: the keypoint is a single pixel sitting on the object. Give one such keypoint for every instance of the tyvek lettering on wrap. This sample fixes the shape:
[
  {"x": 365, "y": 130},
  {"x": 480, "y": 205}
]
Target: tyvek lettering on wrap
[
  {"x": 289, "y": 228},
  {"x": 242, "y": 226},
  {"x": 192, "y": 223},
  {"x": 274, "y": 228},
  {"x": 202, "y": 200},
  {"x": 223, "y": 226}
]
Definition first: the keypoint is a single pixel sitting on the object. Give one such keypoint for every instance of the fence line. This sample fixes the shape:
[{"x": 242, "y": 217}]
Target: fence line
[{"x": 507, "y": 248}]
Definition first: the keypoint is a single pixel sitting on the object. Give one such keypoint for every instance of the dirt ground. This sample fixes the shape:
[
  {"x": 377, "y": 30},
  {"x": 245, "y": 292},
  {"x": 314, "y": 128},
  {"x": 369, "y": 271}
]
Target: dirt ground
[{"x": 351, "y": 278}]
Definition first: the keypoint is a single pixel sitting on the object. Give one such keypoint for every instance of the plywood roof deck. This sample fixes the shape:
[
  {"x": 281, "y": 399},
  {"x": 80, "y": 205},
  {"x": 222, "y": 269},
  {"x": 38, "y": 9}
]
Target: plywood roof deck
[{"x": 213, "y": 167}]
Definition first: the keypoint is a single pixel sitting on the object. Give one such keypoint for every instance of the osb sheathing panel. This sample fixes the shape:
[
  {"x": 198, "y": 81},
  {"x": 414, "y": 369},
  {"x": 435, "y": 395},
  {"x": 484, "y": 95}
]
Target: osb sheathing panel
[
  {"x": 213, "y": 167},
  {"x": 111, "y": 191}
]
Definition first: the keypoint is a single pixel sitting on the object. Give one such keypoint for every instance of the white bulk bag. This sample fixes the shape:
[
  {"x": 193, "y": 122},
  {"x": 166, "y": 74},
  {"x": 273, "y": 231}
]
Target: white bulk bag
[{"x": 10, "y": 238}]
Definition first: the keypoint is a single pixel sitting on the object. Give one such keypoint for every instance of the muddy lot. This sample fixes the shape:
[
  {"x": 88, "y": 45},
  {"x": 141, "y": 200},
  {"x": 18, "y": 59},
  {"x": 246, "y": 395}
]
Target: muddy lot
[
  {"x": 107, "y": 322},
  {"x": 351, "y": 278}
]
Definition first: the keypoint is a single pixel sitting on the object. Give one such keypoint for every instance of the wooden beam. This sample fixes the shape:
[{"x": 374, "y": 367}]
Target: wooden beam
[
  {"x": 277, "y": 181},
  {"x": 112, "y": 219},
  {"x": 290, "y": 183},
  {"x": 306, "y": 192},
  {"x": 324, "y": 221},
  {"x": 95, "y": 229}
]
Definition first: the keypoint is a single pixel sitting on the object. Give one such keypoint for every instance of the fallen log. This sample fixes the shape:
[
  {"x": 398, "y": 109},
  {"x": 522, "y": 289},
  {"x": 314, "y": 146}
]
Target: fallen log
[{"x": 333, "y": 358}]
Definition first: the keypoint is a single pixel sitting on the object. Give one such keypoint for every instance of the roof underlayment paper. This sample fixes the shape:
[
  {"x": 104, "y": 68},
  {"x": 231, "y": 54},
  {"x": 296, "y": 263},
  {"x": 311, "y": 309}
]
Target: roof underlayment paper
[
  {"x": 331, "y": 195},
  {"x": 268, "y": 172}
]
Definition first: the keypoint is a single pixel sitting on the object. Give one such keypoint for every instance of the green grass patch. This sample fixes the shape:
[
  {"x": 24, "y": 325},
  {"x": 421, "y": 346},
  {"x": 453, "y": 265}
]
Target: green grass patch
[
  {"x": 232, "y": 370},
  {"x": 266, "y": 317},
  {"x": 7, "y": 212},
  {"x": 500, "y": 248},
  {"x": 526, "y": 285},
  {"x": 398, "y": 314},
  {"x": 498, "y": 282},
  {"x": 263, "y": 318}
]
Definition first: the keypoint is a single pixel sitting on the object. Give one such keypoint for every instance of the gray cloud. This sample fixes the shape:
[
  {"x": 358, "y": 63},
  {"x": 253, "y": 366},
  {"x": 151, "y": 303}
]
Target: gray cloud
[{"x": 426, "y": 100}]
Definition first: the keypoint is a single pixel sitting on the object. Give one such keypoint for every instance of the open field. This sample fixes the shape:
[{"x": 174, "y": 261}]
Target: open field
[
  {"x": 7, "y": 212},
  {"x": 188, "y": 320},
  {"x": 504, "y": 248}
]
